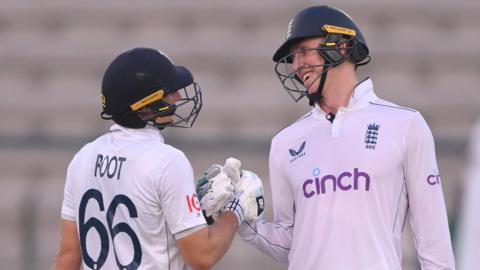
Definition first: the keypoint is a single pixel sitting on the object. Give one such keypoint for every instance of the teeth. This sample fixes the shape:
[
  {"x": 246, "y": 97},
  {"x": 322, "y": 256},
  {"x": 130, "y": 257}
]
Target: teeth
[{"x": 306, "y": 76}]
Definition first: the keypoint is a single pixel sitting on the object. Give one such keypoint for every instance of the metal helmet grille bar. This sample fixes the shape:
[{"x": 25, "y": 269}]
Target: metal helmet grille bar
[
  {"x": 330, "y": 50},
  {"x": 181, "y": 114},
  {"x": 188, "y": 107}
]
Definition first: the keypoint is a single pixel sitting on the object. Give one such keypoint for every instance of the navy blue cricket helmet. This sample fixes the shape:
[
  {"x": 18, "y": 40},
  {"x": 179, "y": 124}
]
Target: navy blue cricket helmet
[
  {"x": 340, "y": 33},
  {"x": 321, "y": 21},
  {"x": 139, "y": 79}
]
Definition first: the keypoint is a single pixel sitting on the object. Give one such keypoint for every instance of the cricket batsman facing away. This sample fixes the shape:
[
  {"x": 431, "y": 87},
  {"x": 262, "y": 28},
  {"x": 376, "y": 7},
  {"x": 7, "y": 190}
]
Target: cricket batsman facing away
[
  {"x": 130, "y": 200},
  {"x": 345, "y": 176}
]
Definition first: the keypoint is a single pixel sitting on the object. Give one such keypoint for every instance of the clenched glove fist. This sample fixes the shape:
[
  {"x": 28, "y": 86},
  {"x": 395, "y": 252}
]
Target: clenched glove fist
[
  {"x": 214, "y": 190},
  {"x": 229, "y": 188}
]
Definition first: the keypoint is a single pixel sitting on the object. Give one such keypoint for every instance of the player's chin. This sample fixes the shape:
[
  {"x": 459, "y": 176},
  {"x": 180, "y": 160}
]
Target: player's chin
[{"x": 311, "y": 87}]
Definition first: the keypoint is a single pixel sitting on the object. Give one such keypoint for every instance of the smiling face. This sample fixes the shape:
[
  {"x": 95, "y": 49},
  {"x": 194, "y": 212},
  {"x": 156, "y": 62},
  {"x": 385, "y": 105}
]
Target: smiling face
[{"x": 308, "y": 63}]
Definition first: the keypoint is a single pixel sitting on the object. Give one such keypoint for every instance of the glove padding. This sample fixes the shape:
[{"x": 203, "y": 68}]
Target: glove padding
[
  {"x": 248, "y": 203},
  {"x": 214, "y": 190},
  {"x": 229, "y": 188}
]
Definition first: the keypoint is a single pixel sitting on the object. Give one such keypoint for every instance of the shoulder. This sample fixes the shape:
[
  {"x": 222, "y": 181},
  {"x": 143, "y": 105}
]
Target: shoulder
[
  {"x": 295, "y": 129},
  {"x": 84, "y": 151},
  {"x": 409, "y": 119},
  {"x": 384, "y": 105},
  {"x": 160, "y": 155},
  {"x": 394, "y": 112}
]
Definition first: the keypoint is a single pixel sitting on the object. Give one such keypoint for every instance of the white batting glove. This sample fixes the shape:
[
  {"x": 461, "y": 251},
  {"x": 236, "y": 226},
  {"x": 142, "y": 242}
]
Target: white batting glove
[
  {"x": 248, "y": 203},
  {"x": 214, "y": 190}
]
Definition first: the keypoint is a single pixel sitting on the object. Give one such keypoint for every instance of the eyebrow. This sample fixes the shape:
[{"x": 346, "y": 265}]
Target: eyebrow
[{"x": 298, "y": 47}]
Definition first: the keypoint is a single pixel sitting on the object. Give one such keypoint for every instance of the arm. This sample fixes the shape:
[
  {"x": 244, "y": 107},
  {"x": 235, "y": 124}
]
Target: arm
[
  {"x": 200, "y": 248},
  {"x": 274, "y": 239},
  {"x": 203, "y": 248},
  {"x": 428, "y": 215},
  {"x": 69, "y": 255}
]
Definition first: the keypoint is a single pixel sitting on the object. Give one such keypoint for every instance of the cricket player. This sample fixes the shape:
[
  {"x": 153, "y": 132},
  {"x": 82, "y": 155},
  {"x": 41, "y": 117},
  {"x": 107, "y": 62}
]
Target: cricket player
[
  {"x": 345, "y": 176},
  {"x": 130, "y": 200}
]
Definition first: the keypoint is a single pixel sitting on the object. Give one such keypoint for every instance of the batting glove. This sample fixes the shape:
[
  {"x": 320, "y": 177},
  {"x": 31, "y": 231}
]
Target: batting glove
[
  {"x": 248, "y": 203},
  {"x": 214, "y": 190}
]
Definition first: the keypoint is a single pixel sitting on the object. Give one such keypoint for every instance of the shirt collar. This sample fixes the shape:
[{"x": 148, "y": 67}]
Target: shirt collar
[
  {"x": 362, "y": 95},
  {"x": 146, "y": 132}
]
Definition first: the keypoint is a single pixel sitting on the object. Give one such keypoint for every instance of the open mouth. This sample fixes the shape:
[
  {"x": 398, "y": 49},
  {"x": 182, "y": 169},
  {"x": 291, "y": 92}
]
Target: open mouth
[{"x": 306, "y": 76}]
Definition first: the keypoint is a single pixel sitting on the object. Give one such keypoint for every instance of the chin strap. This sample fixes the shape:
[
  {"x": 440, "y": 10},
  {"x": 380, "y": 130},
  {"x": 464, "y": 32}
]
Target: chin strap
[{"x": 317, "y": 96}]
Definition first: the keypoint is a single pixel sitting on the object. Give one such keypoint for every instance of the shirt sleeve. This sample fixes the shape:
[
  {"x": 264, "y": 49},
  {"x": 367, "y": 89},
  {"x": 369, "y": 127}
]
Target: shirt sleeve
[
  {"x": 68, "y": 205},
  {"x": 270, "y": 238},
  {"x": 428, "y": 215},
  {"x": 274, "y": 239},
  {"x": 177, "y": 195}
]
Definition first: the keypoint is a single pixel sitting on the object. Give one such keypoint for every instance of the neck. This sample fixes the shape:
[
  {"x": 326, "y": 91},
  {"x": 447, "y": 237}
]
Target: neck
[{"x": 337, "y": 91}]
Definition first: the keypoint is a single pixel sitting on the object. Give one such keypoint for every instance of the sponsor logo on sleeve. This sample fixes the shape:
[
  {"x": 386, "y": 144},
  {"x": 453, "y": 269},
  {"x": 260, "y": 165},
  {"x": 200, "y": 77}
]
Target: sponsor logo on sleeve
[
  {"x": 193, "y": 203},
  {"x": 433, "y": 179}
]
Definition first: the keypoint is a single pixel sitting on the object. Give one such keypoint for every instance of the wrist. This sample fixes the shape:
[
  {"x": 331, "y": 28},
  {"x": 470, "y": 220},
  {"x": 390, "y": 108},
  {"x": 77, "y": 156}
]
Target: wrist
[
  {"x": 232, "y": 217},
  {"x": 235, "y": 207}
]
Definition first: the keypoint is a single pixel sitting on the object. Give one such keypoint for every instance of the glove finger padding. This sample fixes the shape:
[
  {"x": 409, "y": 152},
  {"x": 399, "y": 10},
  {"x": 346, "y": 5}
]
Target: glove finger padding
[
  {"x": 214, "y": 190},
  {"x": 248, "y": 203},
  {"x": 232, "y": 168},
  {"x": 253, "y": 200},
  {"x": 204, "y": 183}
]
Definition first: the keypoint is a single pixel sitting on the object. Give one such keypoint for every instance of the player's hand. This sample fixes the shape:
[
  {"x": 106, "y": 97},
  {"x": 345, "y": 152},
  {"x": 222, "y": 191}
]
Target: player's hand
[
  {"x": 248, "y": 203},
  {"x": 214, "y": 190}
]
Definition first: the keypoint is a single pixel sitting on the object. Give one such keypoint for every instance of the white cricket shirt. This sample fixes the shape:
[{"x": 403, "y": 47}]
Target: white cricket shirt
[
  {"x": 129, "y": 193},
  {"x": 341, "y": 191}
]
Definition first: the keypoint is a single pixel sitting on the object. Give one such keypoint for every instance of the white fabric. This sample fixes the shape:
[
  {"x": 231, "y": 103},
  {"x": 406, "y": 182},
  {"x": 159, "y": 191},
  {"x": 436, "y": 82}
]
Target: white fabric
[
  {"x": 215, "y": 191},
  {"x": 251, "y": 198},
  {"x": 158, "y": 181},
  {"x": 187, "y": 232},
  {"x": 341, "y": 192},
  {"x": 248, "y": 203},
  {"x": 468, "y": 247}
]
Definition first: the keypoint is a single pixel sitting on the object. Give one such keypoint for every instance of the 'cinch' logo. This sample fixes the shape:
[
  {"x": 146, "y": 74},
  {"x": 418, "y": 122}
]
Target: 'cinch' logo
[
  {"x": 433, "y": 179},
  {"x": 344, "y": 181}
]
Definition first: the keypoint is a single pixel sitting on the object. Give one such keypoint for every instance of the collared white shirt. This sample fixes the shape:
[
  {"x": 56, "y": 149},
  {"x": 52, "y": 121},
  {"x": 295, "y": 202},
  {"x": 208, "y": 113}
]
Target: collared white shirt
[
  {"x": 341, "y": 191},
  {"x": 129, "y": 194}
]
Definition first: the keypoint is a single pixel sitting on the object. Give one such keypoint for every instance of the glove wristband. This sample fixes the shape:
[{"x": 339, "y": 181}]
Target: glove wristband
[{"x": 235, "y": 207}]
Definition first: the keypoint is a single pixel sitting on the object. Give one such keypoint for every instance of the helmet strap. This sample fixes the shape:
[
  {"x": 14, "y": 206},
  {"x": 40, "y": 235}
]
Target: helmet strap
[{"x": 317, "y": 96}]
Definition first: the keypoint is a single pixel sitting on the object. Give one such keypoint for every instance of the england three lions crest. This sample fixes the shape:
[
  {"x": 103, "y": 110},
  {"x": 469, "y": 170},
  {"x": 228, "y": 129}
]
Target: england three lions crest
[{"x": 371, "y": 136}]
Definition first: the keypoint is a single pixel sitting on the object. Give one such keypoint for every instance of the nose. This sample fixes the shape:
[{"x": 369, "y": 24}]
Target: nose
[
  {"x": 176, "y": 96},
  {"x": 297, "y": 61}
]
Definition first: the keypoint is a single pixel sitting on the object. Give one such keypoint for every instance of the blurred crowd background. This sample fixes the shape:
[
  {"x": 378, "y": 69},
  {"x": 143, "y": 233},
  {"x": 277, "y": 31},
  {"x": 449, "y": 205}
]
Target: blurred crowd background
[{"x": 425, "y": 55}]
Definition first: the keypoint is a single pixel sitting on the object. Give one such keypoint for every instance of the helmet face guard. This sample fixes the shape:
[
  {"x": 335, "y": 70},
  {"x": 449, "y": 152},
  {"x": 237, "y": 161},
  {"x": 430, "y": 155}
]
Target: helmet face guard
[
  {"x": 181, "y": 114},
  {"x": 343, "y": 40},
  {"x": 136, "y": 88},
  {"x": 330, "y": 50}
]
